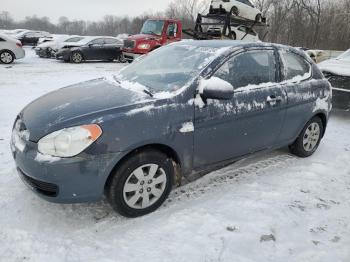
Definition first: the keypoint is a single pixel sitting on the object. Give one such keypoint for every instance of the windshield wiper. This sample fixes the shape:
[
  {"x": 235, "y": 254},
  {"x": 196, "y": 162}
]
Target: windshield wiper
[
  {"x": 150, "y": 32},
  {"x": 144, "y": 89}
]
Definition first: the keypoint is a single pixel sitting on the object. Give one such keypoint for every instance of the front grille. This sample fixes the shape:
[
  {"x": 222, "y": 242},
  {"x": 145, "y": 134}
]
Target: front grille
[
  {"x": 129, "y": 44},
  {"x": 44, "y": 188}
]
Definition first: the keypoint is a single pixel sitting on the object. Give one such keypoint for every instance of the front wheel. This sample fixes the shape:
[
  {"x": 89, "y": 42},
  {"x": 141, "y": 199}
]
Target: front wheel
[
  {"x": 76, "y": 57},
  {"x": 309, "y": 138},
  {"x": 141, "y": 183},
  {"x": 6, "y": 57}
]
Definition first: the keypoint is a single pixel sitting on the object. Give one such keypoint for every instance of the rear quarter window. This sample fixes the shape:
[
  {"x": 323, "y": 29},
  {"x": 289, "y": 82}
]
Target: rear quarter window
[
  {"x": 2, "y": 40},
  {"x": 294, "y": 66}
]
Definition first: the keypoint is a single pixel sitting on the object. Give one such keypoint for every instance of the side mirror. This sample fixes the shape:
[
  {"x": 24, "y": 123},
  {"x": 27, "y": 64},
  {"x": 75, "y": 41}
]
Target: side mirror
[{"x": 215, "y": 88}]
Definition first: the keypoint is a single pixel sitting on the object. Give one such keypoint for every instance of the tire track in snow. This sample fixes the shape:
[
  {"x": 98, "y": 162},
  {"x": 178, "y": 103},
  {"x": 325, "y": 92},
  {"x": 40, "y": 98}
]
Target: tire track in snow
[{"x": 230, "y": 175}]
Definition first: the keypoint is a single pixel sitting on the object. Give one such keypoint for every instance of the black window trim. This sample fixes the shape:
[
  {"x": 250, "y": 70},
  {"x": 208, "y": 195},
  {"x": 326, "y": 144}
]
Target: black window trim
[{"x": 278, "y": 76}]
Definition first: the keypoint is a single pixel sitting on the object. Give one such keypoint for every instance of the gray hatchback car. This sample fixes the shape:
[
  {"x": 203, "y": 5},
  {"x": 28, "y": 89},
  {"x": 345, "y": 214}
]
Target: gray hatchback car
[{"x": 182, "y": 110}]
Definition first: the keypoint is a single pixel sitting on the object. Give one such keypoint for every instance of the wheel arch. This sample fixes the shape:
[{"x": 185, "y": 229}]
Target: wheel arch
[
  {"x": 323, "y": 118},
  {"x": 166, "y": 149}
]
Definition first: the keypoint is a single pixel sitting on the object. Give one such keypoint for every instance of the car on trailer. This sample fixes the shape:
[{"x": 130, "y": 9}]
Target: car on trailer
[{"x": 242, "y": 8}]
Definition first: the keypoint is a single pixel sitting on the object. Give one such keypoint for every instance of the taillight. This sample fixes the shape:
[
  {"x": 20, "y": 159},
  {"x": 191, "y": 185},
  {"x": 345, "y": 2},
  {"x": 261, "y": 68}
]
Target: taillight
[{"x": 19, "y": 44}]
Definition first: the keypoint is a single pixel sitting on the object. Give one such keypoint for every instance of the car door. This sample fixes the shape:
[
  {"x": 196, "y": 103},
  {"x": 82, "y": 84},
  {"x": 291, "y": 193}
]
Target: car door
[
  {"x": 251, "y": 120},
  {"x": 111, "y": 48},
  {"x": 94, "y": 49},
  {"x": 302, "y": 91}
]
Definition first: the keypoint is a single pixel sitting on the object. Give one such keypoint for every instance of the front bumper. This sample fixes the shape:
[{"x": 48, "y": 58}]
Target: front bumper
[
  {"x": 131, "y": 56},
  {"x": 63, "y": 55},
  {"x": 64, "y": 180}
]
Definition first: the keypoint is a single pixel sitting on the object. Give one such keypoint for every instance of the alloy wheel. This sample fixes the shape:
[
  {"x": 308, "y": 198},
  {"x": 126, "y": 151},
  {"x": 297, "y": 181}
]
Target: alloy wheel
[
  {"x": 311, "y": 137},
  {"x": 144, "y": 186},
  {"x": 77, "y": 58}
]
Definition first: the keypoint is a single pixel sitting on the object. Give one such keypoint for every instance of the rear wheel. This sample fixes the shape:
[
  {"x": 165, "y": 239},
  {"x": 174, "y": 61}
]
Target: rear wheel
[
  {"x": 6, "y": 57},
  {"x": 309, "y": 138},
  {"x": 141, "y": 183},
  {"x": 76, "y": 57}
]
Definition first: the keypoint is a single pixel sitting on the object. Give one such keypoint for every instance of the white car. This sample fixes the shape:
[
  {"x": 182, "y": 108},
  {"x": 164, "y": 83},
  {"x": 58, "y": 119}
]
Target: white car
[
  {"x": 241, "y": 32},
  {"x": 242, "y": 8},
  {"x": 48, "y": 49},
  {"x": 10, "y": 49}
]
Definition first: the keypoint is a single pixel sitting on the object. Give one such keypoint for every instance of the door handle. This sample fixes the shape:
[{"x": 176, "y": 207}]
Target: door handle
[{"x": 273, "y": 100}]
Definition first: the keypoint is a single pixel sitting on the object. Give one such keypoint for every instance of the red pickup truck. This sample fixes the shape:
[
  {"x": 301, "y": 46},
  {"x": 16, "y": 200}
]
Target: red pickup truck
[{"x": 154, "y": 33}]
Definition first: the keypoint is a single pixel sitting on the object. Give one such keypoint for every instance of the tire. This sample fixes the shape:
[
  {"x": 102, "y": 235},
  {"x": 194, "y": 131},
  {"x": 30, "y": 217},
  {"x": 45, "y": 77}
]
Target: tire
[
  {"x": 309, "y": 138},
  {"x": 231, "y": 35},
  {"x": 258, "y": 18},
  {"x": 76, "y": 57},
  {"x": 234, "y": 11},
  {"x": 6, "y": 57},
  {"x": 134, "y": 182}
]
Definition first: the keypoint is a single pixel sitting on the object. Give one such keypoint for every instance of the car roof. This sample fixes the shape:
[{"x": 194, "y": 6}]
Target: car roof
[
  {"x": 8, "y": 37},
  {"x": 222, "y": 43},
  {"x": 233, "y": 44}
]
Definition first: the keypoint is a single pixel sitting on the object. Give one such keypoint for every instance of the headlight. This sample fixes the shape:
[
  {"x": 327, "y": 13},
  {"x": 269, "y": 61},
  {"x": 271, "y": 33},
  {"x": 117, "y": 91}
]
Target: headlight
[
  {"x": 69, "y": 142},
  {"x": 143, "y": 46}
]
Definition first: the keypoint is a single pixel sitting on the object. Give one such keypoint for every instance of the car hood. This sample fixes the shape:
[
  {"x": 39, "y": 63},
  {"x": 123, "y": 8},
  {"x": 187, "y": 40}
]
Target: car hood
[
  {"x": 339, "y": 67},
  {"x": 70, "y": 105}
]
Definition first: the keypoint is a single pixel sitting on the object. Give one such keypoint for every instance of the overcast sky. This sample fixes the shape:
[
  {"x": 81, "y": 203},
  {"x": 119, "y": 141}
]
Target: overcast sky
[{"x": 80, "y": 9}]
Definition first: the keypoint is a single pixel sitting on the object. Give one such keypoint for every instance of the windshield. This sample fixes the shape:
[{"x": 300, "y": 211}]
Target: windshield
[
  {"x": 153, "y": 27},
  {"x": 169, "y": 68}
]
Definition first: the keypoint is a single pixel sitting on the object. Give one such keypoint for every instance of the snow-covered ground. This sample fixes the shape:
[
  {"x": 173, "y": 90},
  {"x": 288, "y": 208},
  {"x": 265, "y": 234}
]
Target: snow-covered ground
[{"x": 271, "y": 207}]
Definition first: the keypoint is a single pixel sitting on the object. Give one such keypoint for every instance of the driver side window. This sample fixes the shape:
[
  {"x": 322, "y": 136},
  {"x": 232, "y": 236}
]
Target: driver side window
[
  {"x": 249, "y": 68},
  {"x": 97, "y": 42},
  {"x": 172, "y": 30}
]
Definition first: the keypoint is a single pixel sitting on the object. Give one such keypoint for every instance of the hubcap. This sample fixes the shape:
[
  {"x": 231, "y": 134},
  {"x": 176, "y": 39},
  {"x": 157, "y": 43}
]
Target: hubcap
[
  {"x": 311, "y": 137},
  {"x": 144, "y": 186},
  {"x": 6, "y": 57}
]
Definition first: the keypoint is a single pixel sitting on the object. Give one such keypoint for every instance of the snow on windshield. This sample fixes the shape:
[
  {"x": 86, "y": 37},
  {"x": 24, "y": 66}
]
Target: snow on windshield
[{"x": 169, "y": 68}]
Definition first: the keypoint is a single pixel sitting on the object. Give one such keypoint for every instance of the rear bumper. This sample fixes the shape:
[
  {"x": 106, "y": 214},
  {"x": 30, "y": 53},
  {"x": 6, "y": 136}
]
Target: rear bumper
[{"x": 19, "y": 53}]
